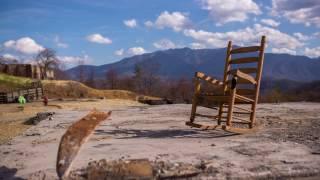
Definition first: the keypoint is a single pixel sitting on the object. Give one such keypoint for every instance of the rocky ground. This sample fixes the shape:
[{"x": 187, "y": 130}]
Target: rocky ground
[{"x": 287, "y": 144}]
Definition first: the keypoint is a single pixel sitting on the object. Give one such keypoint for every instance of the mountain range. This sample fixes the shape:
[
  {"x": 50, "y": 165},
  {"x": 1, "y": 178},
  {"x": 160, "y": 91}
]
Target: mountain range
[{"x": 177, "y": 63}]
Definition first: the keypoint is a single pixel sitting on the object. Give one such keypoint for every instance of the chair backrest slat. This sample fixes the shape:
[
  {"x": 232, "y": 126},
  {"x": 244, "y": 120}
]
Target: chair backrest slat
[
  {"x": 245, "y": 49},
  {"x": 245, "y": 70},
  {"x": 246, "y": 91},
  {"x": 244, "y": 60},
  {"x": 240, "y": 81}
]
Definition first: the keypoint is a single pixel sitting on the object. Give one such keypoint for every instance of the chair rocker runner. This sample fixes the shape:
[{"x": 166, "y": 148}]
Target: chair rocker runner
[{"x": 240, "y": 85}]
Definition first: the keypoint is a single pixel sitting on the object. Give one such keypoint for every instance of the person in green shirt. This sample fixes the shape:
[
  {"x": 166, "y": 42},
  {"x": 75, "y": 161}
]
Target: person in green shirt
[{"x": 21, "y": 100}]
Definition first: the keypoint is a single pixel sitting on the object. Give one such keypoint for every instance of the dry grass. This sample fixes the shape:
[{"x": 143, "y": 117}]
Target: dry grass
[
  {"x": 73, "y": 89},
  {"x": 9, "y": 83},
  {"x": 12, "y": 118},
  {"x": 10, "y": 130}
]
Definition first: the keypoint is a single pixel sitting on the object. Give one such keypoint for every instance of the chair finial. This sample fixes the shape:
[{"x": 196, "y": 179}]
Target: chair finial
[{"x": 263, "y": 39}]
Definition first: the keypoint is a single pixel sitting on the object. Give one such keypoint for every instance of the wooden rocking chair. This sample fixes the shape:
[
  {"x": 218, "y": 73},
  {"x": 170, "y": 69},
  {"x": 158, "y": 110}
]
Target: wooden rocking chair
[{"x": 240, "y": 85}]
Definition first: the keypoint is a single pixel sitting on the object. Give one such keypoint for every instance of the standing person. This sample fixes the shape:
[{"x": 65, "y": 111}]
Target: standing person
[
  {"x": 21, "y": 101},
  {"x": 45, "y": 100}
]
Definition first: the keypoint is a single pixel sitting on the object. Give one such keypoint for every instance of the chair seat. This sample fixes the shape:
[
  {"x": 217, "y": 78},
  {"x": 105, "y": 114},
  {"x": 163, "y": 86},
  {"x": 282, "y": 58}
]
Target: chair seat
[{"x": 225, "y": 98}]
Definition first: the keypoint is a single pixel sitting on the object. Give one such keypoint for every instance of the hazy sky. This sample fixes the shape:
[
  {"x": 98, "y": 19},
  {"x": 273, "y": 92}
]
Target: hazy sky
[{"x": 104, "y": 31}]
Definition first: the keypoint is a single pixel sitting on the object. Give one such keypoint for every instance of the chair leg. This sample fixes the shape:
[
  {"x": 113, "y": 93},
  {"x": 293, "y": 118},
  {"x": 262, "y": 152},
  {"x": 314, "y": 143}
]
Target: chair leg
[
  {"x": 194, "y": 108},
  {"x": 195, "y": 100},
  {"x": 252, "y": 115},
  {"x": 220, "y": 113},
  {"x": 230, "y": 107}
]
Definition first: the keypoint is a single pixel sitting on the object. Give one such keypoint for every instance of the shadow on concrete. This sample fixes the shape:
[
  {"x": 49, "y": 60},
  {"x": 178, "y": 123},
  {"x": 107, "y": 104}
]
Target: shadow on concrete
[
  {"x": 8, "y": 173},
  {"x": 164, "y": 133}
]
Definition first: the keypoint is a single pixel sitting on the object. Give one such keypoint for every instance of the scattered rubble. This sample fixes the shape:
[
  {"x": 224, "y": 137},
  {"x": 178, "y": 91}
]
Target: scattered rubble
[
  {"x": 39, "y": 117},
  {"x": 135, "y": 169},
  {"x": 154, "y": 101}
]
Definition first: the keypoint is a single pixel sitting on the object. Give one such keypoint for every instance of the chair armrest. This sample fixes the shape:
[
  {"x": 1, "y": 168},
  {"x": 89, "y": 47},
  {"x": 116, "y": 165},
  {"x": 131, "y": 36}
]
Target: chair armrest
[
  {"x": 241, "y": 75},
  {"x": 206, "y": 78}
]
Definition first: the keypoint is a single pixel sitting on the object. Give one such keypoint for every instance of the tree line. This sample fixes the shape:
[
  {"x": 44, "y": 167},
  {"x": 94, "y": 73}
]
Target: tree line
[{"x": 144, "y": 80}]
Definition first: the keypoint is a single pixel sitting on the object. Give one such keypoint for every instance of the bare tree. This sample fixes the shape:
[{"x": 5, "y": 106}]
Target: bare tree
[
  {"x": 126, "y": 82},
  {"x": 91, "y": 79},
  {"x": 81, "y": 70},
  {"x": 151, "y": 78},
  {"x": 138, "y": 75},
  {"x": 145, "y": 76},
  {"x": 183, "y": 89},
  {"x": 61, "y": 74},
  {"x": 47, "y": 59},
  {"x": 112, "y": 78},
  {"x": 5, "y": 60}
]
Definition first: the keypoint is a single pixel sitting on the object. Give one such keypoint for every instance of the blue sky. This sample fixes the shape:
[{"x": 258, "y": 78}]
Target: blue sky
[{"x": 104, "y": 31}]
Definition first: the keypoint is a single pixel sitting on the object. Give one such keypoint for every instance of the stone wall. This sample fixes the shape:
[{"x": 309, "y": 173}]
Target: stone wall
[{"x": 25, "y": 70}]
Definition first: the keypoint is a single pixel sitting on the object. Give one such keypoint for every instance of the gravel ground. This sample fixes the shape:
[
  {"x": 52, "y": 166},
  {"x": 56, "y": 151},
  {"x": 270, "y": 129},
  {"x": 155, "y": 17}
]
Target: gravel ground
[
  {"x": 296, "y": 122},
  {"x": 286, "y": 145}
]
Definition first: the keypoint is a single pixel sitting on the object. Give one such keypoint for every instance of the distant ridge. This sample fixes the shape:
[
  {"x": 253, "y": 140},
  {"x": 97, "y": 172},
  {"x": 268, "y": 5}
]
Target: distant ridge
[{"x": 177, "y": 63}]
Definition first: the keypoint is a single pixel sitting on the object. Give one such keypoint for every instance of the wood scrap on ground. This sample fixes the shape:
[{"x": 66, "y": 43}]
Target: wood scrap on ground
[{"x": 76, "y": 135}]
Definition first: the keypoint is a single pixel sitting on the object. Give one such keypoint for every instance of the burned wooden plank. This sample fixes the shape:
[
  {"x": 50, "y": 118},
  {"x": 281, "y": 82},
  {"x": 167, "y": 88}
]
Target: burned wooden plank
[{"x": 76, "y": 135}]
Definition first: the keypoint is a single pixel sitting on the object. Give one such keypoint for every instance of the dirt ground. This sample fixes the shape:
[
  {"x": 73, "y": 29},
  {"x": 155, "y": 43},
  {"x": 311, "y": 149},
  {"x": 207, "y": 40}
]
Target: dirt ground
[
  {"x": 13, "y": 116},
  {"x": 287, "y": 144}
]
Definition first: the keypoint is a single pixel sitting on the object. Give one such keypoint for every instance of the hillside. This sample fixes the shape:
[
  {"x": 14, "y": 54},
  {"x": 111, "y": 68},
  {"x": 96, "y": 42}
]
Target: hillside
[
  {"x": 176, "y": 63},
  {"x": 8, "y": 83},
  {"x": 74, "y": 89},
  {"x": 63, "y": 89}
]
